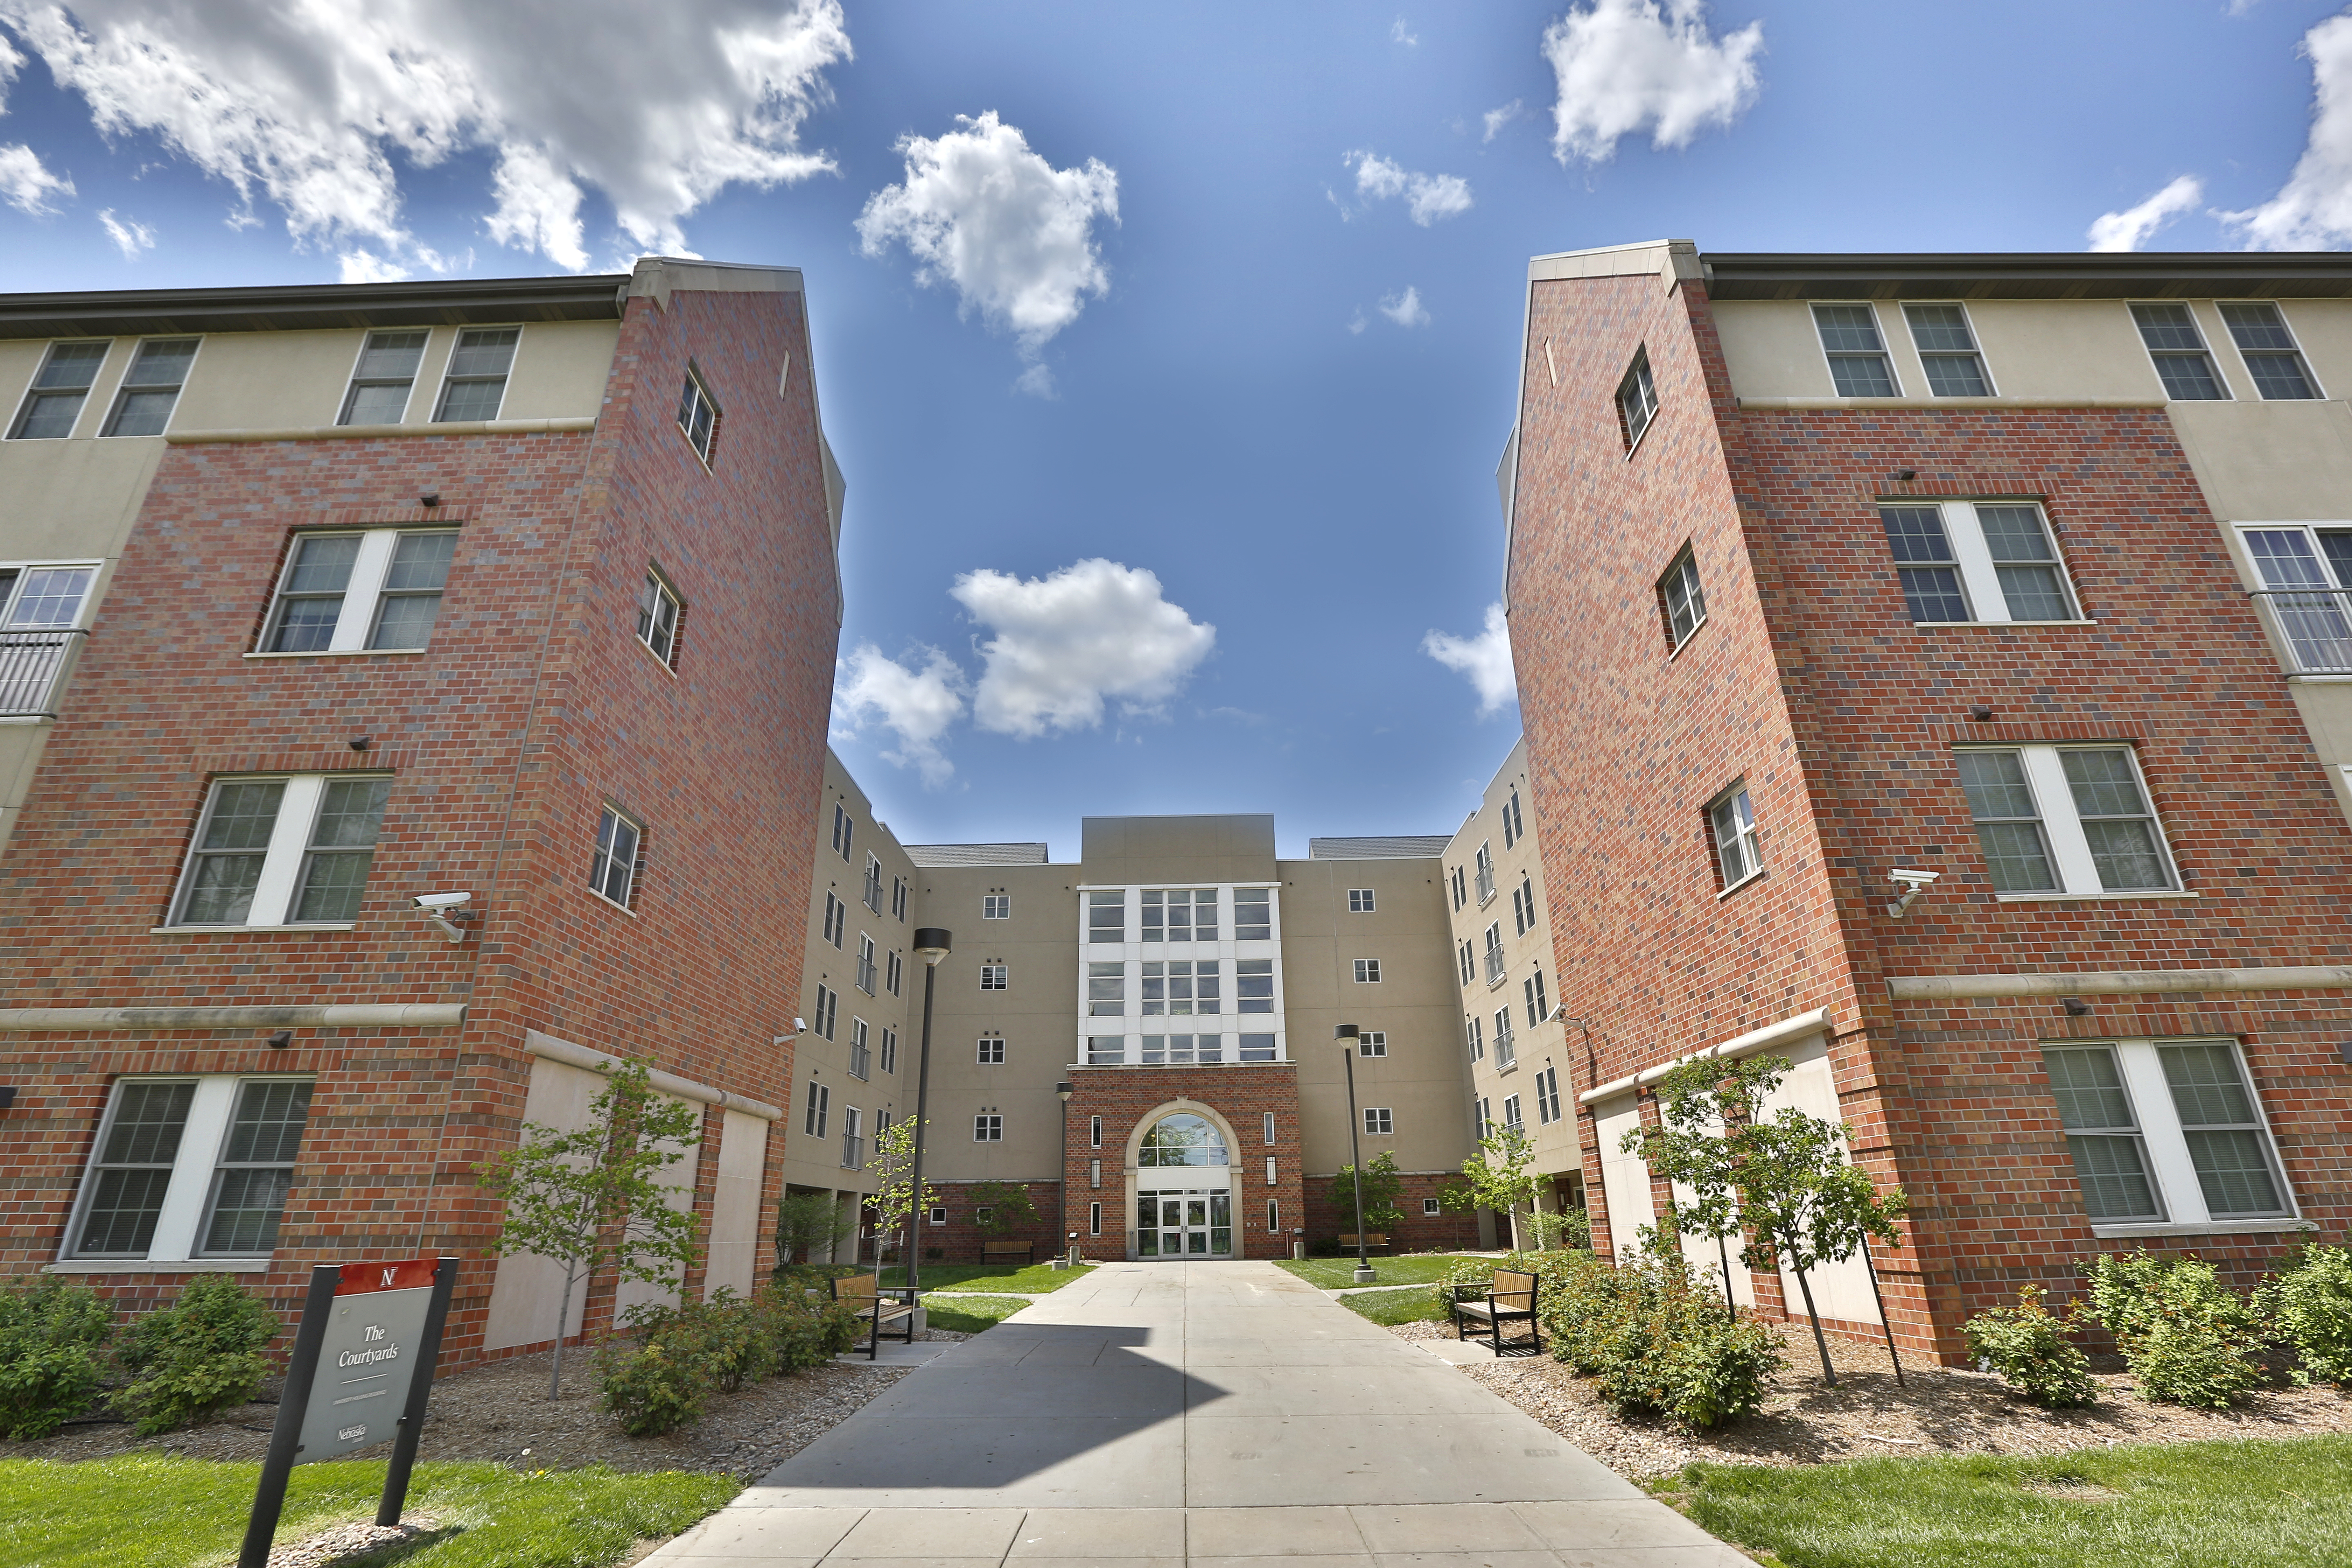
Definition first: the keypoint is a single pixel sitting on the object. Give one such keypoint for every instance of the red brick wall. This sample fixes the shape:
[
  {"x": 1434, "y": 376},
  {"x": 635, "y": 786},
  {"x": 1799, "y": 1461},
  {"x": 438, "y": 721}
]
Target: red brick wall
[
  {"x": 1241, "y": 1093},
  {"x": 1448, "y": 1230},
  {"x": 959, "y": 1240},
  {"x": 534, "y": 706}
]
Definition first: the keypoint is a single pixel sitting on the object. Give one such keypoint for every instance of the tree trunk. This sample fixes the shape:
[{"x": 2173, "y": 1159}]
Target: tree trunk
[
  {"x": 1723, "y": 1250},
  {"x": 1870, "y": 1263},
  {"x": 563, "y": 1320},
  {"x": 1821, "y": 1343}
]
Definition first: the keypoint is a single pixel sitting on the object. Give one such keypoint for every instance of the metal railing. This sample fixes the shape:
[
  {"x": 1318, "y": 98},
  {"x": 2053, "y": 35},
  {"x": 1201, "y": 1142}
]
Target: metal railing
[
  {"x": 1507, "y": 1053},
  {"x": 1485, "y": 883},
  {"x": 873, "y": 888},
  {"x": 1496, "y": 967},
  {"x": 2316, "y": 625},
  {"x": 32, "y": 664},
  {"x": 865, "y": 974},
  {"x": 853, "y": 1152},
  {"x": 860, "y": 1057}
]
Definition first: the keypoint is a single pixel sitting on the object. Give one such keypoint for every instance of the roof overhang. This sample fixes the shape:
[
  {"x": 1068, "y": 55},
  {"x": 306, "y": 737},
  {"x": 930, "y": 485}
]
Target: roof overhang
[
  {"x": 2058, "y": 275},
  {"x": 134, "y": 313}
]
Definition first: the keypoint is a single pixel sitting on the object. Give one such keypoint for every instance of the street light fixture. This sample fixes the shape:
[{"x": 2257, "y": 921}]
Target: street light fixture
[
  {"x": 1347, "y": 1034},
  {"x": 1061, "y": 1091},
  {"x": 932, "y": 944}
]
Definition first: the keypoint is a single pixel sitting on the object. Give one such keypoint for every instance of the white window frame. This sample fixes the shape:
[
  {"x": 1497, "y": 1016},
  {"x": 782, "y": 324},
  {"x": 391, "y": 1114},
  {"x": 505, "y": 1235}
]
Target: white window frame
[
  {"x": 1359, "y": 901},
  {"x": 1978, "y": 573},
  {"x": 996, "y": 906},
  {"x": 2294, "y": 340},
  {"x": 194, "y": 1186},
  {"x": 29, "y": 671},
  {"x": 936, "y": 1215},
  {"x": 125, "y": 387},
  {"x": 1431, "y": 1208},
  {"x": 450, "y": 379},
  {"x": 1372, "y": 1043},
  {"x": 817, "y": 1115},
  {"x": 1476, "y": 1029},
  {"x": 283, "y": 860},
  {"x": 860, "y": 1057},
  {"x": 828, "y": 1015},
  {"x": 33, "y": 390},
  {"x": 1380, "y": 1122},
  {"x": 1885, "y": 354},
  {"x": 995, "y": 977},
  {"x": 650, "y": 621},
  {"x": 1682, "y": 572},
  {"x": 988, "y": 1127},
  {"x": 1367, "y": 971},
  {"x": 2164, "y": 1143},
  {"x": 1512, "y": 1114},
  {"x": 1748, "y": 837},
  {"x": 1642, "y": 406},
  {"x": 990, "y": 1051},
  {"x": 699, "y": 389},
  {"x": 2061, "y": 828},
  {"x": 1548, "y": 1097},
  {"x": 351, "y": 381},
  {"x": 364, "y": 591},
  {"x": 1975, "y": 349},
  {"x": 1093, "y": 1219},
  {"x": 2205, "y": 344},
  {"x": 889, "y": 1052}
]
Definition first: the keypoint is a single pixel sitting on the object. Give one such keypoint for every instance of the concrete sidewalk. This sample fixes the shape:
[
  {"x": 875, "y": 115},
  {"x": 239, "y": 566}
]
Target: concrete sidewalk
[{"x": 1191, "y": 1412}]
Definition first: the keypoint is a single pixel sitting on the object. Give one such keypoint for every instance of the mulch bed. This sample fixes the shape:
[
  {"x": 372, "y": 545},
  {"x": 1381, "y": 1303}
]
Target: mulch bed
[{"x": 1944, "y": 1410}]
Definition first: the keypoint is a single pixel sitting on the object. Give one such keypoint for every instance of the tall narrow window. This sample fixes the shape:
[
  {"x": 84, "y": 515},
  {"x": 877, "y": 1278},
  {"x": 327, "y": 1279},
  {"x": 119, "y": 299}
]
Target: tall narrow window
[
  {"x": 820, "y": 1107},
  {"x": 1515, "y": 821},
  {"x": 1466, "y": 960},
  {"x": 697, "y": 417},
  {"x": 1637, "y": 400},
  {"x": 257, "y": 1167},
  {"x": 342, "y": 848},
  {"x": 414, "y": 581},
  {"x": 658, "y": 613},
  {"x": 1106, "y": 917},
  {"x": 1539, "y": 1006},
  {"x": 133, "y": 1170},
  {"x": 1253, "y": 986},
  {"x": 612, "y": 871},
  {"x": 476, "y": 382},
  {"x": 152, "y": 386},
  {"x": 2227, "y": 1144},
  {"x": 828, "y": 1011},
  {"x": 1548, "y": 1095},
  {"x": 2008, "y": 823},
  {"x": 1475, "y": 1029},
  {"x": 1736, "y": 848},
  {"x": 382, "y": 381},
  {"x": 1460, "y": 887},
  {"x": 1273, "y": 1215},
  {"x": 53, "y": 406},
  {"x": 1268, "y": 1140},
  {"x": 2103, "y": 1134},
  {"x": 1511, "y": 1116},
  {"x": 2304, "y": 571},
  {"x": 894, "y": 976},
  {"x": 1093, "y": 1219},
  {"x": 1926, "y": 564},
  {"x": 1252, "y": 915},
  {"x": 1106, "y": 990},
  {"x": 1857, "y": 355},
  {"x": 2268, "y": 350},
  {"x": 1094, "y": 1133},
  {"x": 1680, "y": 600},
  {"x": 889, "y": 1052},
  {"x": 1948, "y": 350},
  {"x": 2179, "y": 351}
]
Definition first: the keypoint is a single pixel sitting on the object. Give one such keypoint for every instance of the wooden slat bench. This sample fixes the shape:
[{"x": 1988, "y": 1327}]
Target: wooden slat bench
[
  {"x": 1511, "y": 1298},
  {"x": 878, "y": 1304},
  {"x": 1374, "y": 1241},
  {"x": 1023, "y": 1252}
]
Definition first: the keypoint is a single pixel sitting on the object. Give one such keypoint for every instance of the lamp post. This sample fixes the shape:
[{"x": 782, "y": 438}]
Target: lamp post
[
  {"x": 1061, "y": 1091},
  {"x": 931, "y": 944},
  {"x": 1346, "y": 1035}
]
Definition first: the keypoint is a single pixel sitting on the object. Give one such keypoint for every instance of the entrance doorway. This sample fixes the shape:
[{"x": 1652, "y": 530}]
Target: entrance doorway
[{"x": 1192, "y": 1224}]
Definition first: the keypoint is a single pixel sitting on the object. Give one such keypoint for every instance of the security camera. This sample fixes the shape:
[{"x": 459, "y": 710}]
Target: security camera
[
  {"x": 1913, "y": 884},
  {"x": 1915, "y": 878},
  {"x": 444, "y": 911},
  {"x": 800, "y": 1027},
  {"x": 442, "y": 900}
]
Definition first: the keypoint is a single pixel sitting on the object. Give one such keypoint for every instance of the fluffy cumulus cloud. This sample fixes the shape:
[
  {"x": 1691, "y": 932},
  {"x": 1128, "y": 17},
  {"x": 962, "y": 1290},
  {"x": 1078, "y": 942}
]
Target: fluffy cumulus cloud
[
  {"x": 915, "y": 705},
  {"x": 130, "y": 235},
  {"x": 2135, "y": 226},
  {"x": 26, "y": 183},
  {"x": 984, "y": 214},
  {"x": 1064, "y": 644},
  {"x": 306, "y": 105},
  {"x": 1624, "y": 65},
  {"x": 1496, "y": 119},
  {"x": 1406, "y": 309},
  {"x": 1428, "y": 197},
  {"x": 1484, "y": 660},
  {"x": 2313, "y": 210}
]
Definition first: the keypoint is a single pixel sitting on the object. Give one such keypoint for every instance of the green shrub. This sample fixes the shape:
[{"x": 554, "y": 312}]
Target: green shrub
[
  {"x": 804, "y": 1330},
  {"x": 1657, "y": 1337},
  {"x": 50, "y": 1336},
  {"x": 2186, "y": 1337},
  {"x": 654, "y": 1385},
  {"x": 658, "y": 1374},
  {"x": 2027, "y": 1344},
  {"x": 196, "y": 1358},
  {"x": 2310, "y": 1308}
]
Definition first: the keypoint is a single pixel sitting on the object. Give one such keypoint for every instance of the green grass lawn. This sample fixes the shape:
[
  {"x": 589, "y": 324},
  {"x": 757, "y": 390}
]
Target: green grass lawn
[
  {"x": 147, "y": 1511},
  {"x": 1036, "y": 1279},
  {"x": 1333, "y": 1273},
  {"x": 970, "y": 1314},
  {"x": 1393, "y": 1307},
  {"x": 2214, "y": 1505}
]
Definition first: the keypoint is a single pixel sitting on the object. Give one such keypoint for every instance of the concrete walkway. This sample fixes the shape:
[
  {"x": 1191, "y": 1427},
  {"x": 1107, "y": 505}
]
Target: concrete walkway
[{"x": 1198, "y": 1414}]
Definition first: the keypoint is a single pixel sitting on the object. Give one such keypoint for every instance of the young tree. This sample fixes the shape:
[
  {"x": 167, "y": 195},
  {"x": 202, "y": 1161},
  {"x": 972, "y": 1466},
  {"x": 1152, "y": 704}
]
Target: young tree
[
  {"x": 895, "y": 1198},
  {"x": 592, "y": 1198},
  {"x": 1381, "y": 1184},
  {"x": 1008, "y": 1208},
  {"x": 1499, "y": 1176},
  {"x": 810, "y": 1223},
  {"x": 1688, "y": 1147}
]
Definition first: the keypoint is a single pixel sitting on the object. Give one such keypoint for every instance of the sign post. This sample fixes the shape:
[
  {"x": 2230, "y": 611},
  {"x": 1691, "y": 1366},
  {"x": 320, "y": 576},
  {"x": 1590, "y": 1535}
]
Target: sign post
[{"x": 360, "y": 1371}]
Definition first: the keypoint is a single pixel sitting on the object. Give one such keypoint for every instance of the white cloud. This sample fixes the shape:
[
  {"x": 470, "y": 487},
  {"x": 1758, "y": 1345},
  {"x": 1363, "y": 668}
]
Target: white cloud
[
  {"x": 2313, "y": 210},
  {"x": 1406, "y": 309},
  {"x": 1484, "y": 660},
  {"x": 1357, "y": 323},
  {"x": 26, "y": 184},
  {"x": 2135, "y": 226},
  {"x": 305, "y": 104},
  {"x": 1065, "y": 643},
  {"x": 1037, "y": 381},
  {"x": 1009, "y": 233},
  {"x": 365, "y": 267},
  {"x": 1428, "y": 197},
  {"x": 1626, "y": 64},
  {"x": 130, "y": 235},
  {"x": 1400, "y": 33},
  {"x": 916, "y": 705},
  {"x": 1497, "y": 118}
]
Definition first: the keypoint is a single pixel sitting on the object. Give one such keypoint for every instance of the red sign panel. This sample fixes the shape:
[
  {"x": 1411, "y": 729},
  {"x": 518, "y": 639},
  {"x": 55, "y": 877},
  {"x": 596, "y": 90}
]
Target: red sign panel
[{"x": 407, "y": 1274}]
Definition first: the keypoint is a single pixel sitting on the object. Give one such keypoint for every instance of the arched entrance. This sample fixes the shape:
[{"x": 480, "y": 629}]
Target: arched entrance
[{"x": 1183, "y": 1189}]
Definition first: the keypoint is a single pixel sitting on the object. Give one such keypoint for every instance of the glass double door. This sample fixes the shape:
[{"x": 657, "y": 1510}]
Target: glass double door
[{"x": 1197, "y": 1224}]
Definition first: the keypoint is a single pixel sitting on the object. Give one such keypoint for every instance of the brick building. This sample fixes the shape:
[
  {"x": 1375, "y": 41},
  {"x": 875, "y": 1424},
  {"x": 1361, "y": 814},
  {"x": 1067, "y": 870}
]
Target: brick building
[
  {"x": 2020, "y": 570},
  {"x": 522, "y": 591}
]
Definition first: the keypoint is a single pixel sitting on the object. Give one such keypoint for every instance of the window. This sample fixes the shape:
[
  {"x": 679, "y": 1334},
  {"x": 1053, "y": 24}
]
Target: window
[
  {"x": 1106, "y": 990},
  {"x": 698, "y": 416},
  {"x": 1486, "y": 862},
  {"x": 860, "y": 1057},
  {"x": 290, "y": 850},
  {"x": 1468, "y": 965},
  {"x": 1372, "y": 1043},
  {"x": 1482, "y": 1120},
  {"x": 1461, "y": 891},
  {"x": 1252, "y": 915},
  {"x": 1106, "y": 1050},
  {"x": 1948, "y": 350},
  {"x": 1523, "y": 908},
  {"x": 1380, "y": 1122},
  {"x": 983, "y": 1212},
  {"x": 1094, "y": 1133},
  {"x": 1257, "y": 1047},
  {"x": 39, "y": 609},
  {"x": 852, "y": 1140},
  {"x": 1273, "y": 1215},
  {"x": 988, "y": 1128},
  {"x": 2070, "y": 819},
  {"x": 342, "y": 593},
  {"x": 659, "y": 614},
  {"x": 53, "y": 406},
  {"x": 1548, "y": 1097},
  {"x": 1511, "y": 1111},
  {"x": 1680, "y": 602},
  {"x": 1507, "y": 1054},
  {"x": 1472, "y": 1027},
  {"x": 995, "y": 977},
  {"x": 866, "y": 964},
  {"x": 898, "y": 898},
  {"x": 2303, "y": 571},
  {"x": 1538, "y": 1009},
  {"x": 845, "y": 828},
  {"x": 1857, "y": 356},
  {"x": 828, "y": 1010},
  {"x": 1495, "y": 965},
  {"x": 1179, "y": 916},
  {"x": 1272, "y": 1174},
  {"x": 996, "y": 907},
  {"x": 1637, "y": 400},
  {"x": 1360, "y": 901},
  {"x": 991, "y": 1051},
  {"x": 2178, "y": 350},
  {"x": 1093, "y": 1219},
  {"x": 1269, "y": 1127},
  {"x": 820, "y": 1104},
  {"x": 476, "y": 382},
  {"x": 1429, "y": 1208},
  {"x": 151, "y": 387},
  {"x": 2277, "y": 367},
  {"x": 1180, "y": 987},
  {"x": 222, "y": 1147},
  {"x": 894, "y": 972},
  {"x": 1163, "y": 1049},
  {"x": 1253, "y": 986},
  {"x": 1977, "y": 561},
  {"x": 1105, "y": 917},
  {"x": 939, "y": 1214},
  {"x": 1367, "y": 971},
  {"x": 889, "y": 1051},
  {"x": 1515, "y": 822},
  {"x": 381, "y": 380},
  {"x": 836, "y": 920},
  {"x": 2165, "y": 1130},
  {"x": 1736, "y": 849}
]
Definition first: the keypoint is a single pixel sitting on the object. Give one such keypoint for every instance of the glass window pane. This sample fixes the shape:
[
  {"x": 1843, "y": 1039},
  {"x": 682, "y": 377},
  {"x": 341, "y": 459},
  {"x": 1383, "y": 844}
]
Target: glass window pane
[
  {"x": 1852, "y": 328},
  {"x": 2256, "y": 325},
  {"x": 2089, "y": 1088},
  {"x": 267, "y": 1126},
  {"x": 244, "y": 813},
  {"x": 70, "y": 367},
  {"x": 143, "y": 413},
  {"x": 123, "y": 1210},
  {"x": 221, "y": 892},
  {"x": 2014, "y": 534},
  {"x": 1955, "y": 375},
  {"x": 162, "y": 361},
  {"x": 2207, "y": 1088},
  {"x": 148, "y": 1120},
  {"x": 306, "y": 625},
  {"x": 1861, "y": 376},
  {"x": 1915, "y": 533},
  {"x": 2189, "y": 378},
  {"x": 391, "y": 355},
  {"x": 2234, "y": 1173},
  {"x": 2166, "y": 327},
  {"x": 2114, "y": 1175},
  {"x": 350, "y": 813},
  {"x": 484, "y": 351},
  {"x": 2034, "y": 593},
  {"x": 49, "y": 596},
  {"x": 2104, "y": 784},
  {"x": 245, "y": 1211},
  {"x": 406, "y": 621},
  {"x": 2126, "y": 856},
  {"x": 1941, "y": 327},
  {"x": 2279, "y": 377},
  {"x": 322, "y": 564},
  {"x": 50, "y": 417},
  {"x": 2017, "y": 858},
  {"x": 420, "y": 561}
]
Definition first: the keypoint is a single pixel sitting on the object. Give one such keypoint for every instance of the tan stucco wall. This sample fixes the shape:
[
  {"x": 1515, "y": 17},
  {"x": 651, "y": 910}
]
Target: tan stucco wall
[{"x": 1132, "y": 851}]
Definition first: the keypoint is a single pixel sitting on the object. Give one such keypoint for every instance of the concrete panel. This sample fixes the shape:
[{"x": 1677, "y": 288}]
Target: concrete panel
[
  {"x": 1129, "y": 850},
  {"x": 2064, "y": 349},
  {"x": 735, "y": 1210},
  {"x": 559, "y": 370},
  {"x": 1840, "y": 1290},
  {"x": 1772, "y": 349},
  {"x": 1625, "y": 1178},
  {"x": 268, "y": 380},
  {"x": 524, "y": 1295},
  {"x": 680, "y": 1179},
  {"x": 2270, "y": 462}
]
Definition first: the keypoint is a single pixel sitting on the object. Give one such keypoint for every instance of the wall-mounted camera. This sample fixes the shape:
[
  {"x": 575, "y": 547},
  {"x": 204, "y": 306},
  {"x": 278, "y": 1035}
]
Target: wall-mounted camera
[
  {"x": 1913, "y": 884},
  {"x": 444, "y": 911}
]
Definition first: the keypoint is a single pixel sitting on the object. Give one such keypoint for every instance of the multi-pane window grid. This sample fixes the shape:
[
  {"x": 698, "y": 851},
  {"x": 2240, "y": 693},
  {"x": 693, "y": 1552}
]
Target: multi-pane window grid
[
  {"x": 2212, "y": 1111},
  {"x": 1252, "y": 915},
  {"x": 612, "y": 871},
  {"x": 1372, "y": 1043},
  {"x": 1181, "y": 986},
  {"x": 1857, "y": 355},
  {"x": 283, "y": 851},
  {"x": 697, "y": 417},
  {"x": 2177, "y": 348},
  {"x": 143, "y": 1150},
  {"x": 1466, "y": 960},
  {"x": 2064, "y": 818},
  {"x": 1379, "y": 1121},
  {"x": 1637, "y": 400},
  {"x": 475, "y": 384},
  {"x": 988, "y": 1128},
  {"x": 2278, "y": 368},
  {"x": 1360, "y": 901},
  {"x": 1181, "y": 915},
  {"x": 1515, "y": 822},
  {"x": 845, "y": 829},
  {"x": 151, "y": 387},
  {"x": 894, "y": 972},
  {"x": 1680, "y": 600},
  {"x": 376, "y": 589},
  {"x": 659, "y": 616},
  {"x": 995, "y": 977},
  {"x": 1367, "y": 971},
  {"x": 1523, "y": 907},
  {"x": 991, "y": 1051},
  {"x": 54, "y": 402},
  {"x": 1977, "y": 561},
  {"x": 996, "y": 907},
  {"x": 1948, "y": 350},
  {"x": 1733, "y": 822},
  {"x": 1507, "y": 1053},
  {"x": 1105, "y": 917},
  {"x": 1473, "y": 1030},
  {"x": 382, "y": 379}
]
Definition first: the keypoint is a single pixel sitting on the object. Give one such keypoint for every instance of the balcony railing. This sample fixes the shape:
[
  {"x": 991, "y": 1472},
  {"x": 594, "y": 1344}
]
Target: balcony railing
[
  {"x": 873, "y": 888},
  {"x": 860, "y": 1057},
  {"x": 2316, "y": 624},
  {"x": 1507, "y": 1053},
  {"x": 865, "y": 974},
  {"x": 853, "y": 1152},
  {"x": 32, "y": 667},
  {"x": 1486, "y": 884},
  {"x": 1496, "y": 967}
]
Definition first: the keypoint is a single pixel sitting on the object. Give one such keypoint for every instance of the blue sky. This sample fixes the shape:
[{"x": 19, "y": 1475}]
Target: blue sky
[{"x": 1136, "y": 358}]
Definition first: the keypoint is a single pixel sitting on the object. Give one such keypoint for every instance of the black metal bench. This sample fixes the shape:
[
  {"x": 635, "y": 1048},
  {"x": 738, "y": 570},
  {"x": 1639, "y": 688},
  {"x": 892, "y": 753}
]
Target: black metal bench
[
  {"x": 1008, "y": 1252},
  {"x": 878, "y": 1304},
  {"x": 1511, "y": 1298}
]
